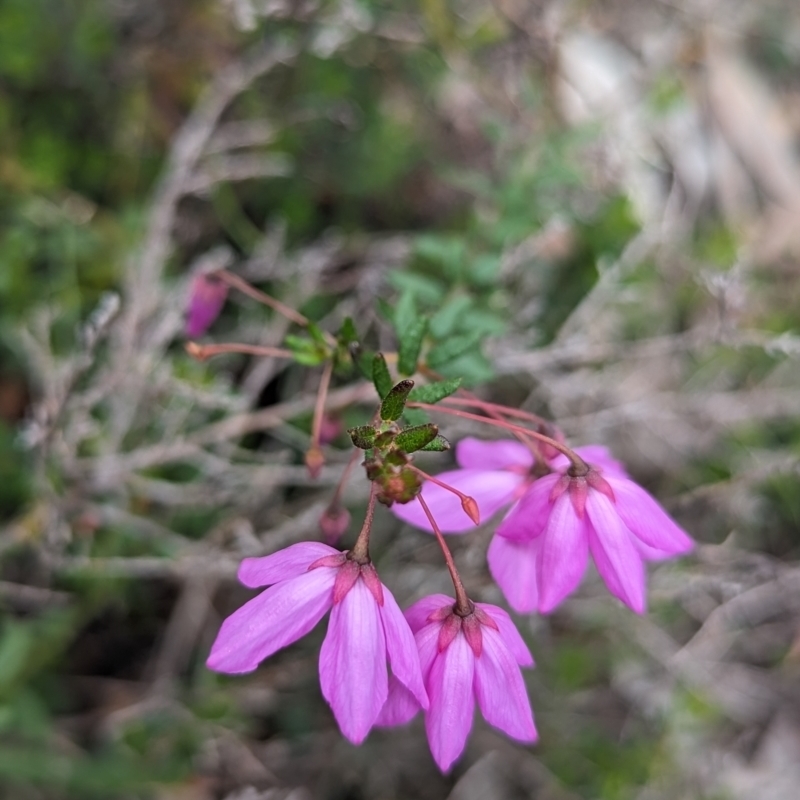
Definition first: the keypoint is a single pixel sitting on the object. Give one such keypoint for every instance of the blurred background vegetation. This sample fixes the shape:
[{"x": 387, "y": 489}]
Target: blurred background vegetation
[{"x": 597, "y": 204}]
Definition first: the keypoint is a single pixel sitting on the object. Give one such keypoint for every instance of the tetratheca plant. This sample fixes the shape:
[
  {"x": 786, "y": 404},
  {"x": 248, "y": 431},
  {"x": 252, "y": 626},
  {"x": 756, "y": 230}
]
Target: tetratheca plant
[{"x": 378, "y": 665}]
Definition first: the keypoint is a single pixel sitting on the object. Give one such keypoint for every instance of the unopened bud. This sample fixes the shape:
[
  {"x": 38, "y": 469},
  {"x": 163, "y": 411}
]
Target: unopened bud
[
  {"x": 333, "y": 523},
  {"x": 330, "y": 427},
  {"x": 471, "y": 509},
  {"x": 206, "y": 299},
  {"x": 314, "y": 461}
]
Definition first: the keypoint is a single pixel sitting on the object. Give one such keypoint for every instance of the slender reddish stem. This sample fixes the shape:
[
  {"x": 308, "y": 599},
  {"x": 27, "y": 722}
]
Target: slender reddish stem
[
  {"x": 466, "y": 500},
  {"x": 578, "y": 463},
  {"x": 360, "y": 551},
  {"x": 503, "y": 411},
  {"x": 204, "y": 351},
  {"x": 337, "y": 492},
  {"x": 243, "y": 286},
  {"x": 463, "y": 605}
]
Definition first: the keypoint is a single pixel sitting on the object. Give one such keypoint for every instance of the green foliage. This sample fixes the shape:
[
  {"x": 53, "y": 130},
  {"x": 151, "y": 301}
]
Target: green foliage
[
  {"x": 380, "y": 376},
  {"x": 394, "y": 403},
  {"x": 434, "y": 392},
  {"x": 417, "y": 438},
  {"x": 410, "y": 346}
]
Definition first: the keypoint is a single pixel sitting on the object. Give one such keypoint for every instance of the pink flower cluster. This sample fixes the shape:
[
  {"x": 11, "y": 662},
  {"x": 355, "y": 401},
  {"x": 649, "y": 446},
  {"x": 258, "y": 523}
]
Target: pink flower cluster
[
  {"x": 440, "y": 662},
  {"x": 380, "y": 667},
  {"x": 540, "y": 550}
]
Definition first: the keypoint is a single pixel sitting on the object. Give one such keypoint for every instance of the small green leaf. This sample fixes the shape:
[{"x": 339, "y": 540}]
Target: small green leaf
[
  {"x": 363, "y": 436},
  {"x": 347, "y": 333},
  {"x": 395, "y": 401},
  {"x": 452, "y": 348},
  {"x": 363, "y": 359},
  {"x": 438, "y": 445},
  {"x": 434, "y": 392},
  {"x": 412, "y": 439},
  {"x": 380, "y": 375},
  {"x": 305, "y": 351},
  {"x": 410, "y": 345},
  {"x": 316, "y": 333}
]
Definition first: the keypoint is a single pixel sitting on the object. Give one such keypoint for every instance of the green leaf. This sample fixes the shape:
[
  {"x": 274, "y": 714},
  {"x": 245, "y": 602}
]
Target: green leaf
[
  {"x": 363, "y": 436},
  {"x": 434, "y": 392},
  {"x": 380, "y": 375},
  {"x": 316, "y": 333},
  {"x": 347, "y": 333},
  {"x": 423, "y": 287},
  {"x": 412, "y": 439},
  {"x": 452, "y": 348},
  {"x": 446, "y": 320},
  {"x": 438, "y": 445},
  {"x": 405, "y": 315},
  {"x": 394, "y": 403},
  {"x": 305, "y": 351},
  {"x": 410, "y": 345}
]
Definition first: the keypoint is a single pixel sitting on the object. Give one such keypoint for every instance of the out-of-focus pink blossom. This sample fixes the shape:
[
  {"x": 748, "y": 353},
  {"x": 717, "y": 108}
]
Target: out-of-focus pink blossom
[
  {"x": 334, "y": 521},
  {"x": 465, "y": 659},
  {"x": 541, "y": 549},
  {"x": 366, "y": 629},
  {"x": 495, "y": 474},
  {"x": 206, "y": 299}
]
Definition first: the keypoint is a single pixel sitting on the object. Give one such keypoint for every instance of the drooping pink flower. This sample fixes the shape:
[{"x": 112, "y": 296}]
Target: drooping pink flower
[
  {"x": 465, "y": 659},
  {"x": 206, "y": 299},
  {"x": 540, "y": 551},
  {"x": 366, "y": 629},
  {"x": 495, "y": 474}
]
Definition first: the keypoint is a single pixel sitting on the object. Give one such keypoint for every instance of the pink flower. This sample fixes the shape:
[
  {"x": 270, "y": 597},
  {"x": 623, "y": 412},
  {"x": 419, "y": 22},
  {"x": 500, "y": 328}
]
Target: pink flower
[
  {"x": 464, "y": 660},
  {"x": 495, "y": 474},
  {"x": 541, "y": 549},
  {"x": 206, "y": 299},
  {"x": 366, "y": 629}
]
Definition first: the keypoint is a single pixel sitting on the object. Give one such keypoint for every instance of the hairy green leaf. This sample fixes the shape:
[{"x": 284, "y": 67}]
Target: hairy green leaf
[
  {"x": 395, "y": 401},
  {"x": 410, "y": 345},
  {"x": 438, "y": 445},
  {"x": 380, "y": 375},
  {"x": 363, "y": 436},
  {"x": 434, "y": 392},
  {"x": 412, "y": 439}
]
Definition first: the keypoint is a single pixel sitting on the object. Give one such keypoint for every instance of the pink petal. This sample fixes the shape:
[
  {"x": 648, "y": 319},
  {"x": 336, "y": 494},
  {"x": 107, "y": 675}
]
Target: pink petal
[
  {"x": 509, "y": 634},
  {"x": 417, "y": 614},
  {"x": 474, "y": 453},
  {"x": 352, "y": 663},
  {"x": 615, "y": 554},
  {"x": 401, "y": 648},
  {"x": 500, "y": 690},
  {"x": 594, "y": 455},
  {"x": 401, "y": 705},
  {"x": 514, "y": 568},
  {"x": 563, "y": 555},
  {"x": 278, "y": 616},
  {"x": 449, "y": 719},
  {"x": 491, "y": 490},
  {"x": 283, "y": 565},
  {"x": 529, "y": 517},
  {"x": 650, "y": 553},
  {"x": 645, "y": 518}
]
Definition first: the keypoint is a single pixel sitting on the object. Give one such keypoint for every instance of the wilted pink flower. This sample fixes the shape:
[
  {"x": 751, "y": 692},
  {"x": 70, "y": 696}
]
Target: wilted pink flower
[
  {"x": 464, "y": 659},
  {"x": 206, "y": 299},
  {"x": 365, "y": 630},
  {"x": 495, "y": 474},
  {"x": 541, "y": 548},
  {"x": 334, "y": 522}
]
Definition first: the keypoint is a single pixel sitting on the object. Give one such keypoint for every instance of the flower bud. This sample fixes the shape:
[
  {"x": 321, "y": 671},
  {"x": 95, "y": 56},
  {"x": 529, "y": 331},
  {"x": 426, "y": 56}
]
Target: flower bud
[{"x": 206, "y": 299}]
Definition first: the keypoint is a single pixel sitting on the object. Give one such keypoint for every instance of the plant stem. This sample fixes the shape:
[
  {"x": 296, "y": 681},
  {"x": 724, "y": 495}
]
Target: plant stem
[
  {"x": 466, "y": 500},
  {"x": 360, "y": 551},
  {"x": 203, "y": 351},
  {"x": 463, "y": 604},
  {"x": 579, "y": 466},
  {"x": 319, "y": 406}
]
